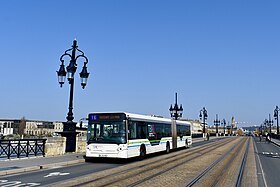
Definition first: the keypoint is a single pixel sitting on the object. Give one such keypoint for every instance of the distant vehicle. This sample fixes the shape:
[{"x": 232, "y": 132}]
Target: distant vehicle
[{"x": 126, "y": 135}]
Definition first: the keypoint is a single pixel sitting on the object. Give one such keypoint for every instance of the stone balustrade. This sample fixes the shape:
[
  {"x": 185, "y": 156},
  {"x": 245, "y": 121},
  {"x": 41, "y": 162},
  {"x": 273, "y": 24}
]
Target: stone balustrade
[{"x": 56, "y": 145}]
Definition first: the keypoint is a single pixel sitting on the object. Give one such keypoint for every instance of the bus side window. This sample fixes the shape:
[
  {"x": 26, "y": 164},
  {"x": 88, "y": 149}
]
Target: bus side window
[
  {"x": 188, "y": 131},
  {"x": 142, "y": 130},
  {"x": 132, "y": 130},
  {"x": 167, "y": 130}
]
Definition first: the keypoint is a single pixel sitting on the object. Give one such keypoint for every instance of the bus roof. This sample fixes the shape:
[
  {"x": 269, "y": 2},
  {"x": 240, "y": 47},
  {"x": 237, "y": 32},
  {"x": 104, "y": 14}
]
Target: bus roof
[{"x": 144, "y": 117}]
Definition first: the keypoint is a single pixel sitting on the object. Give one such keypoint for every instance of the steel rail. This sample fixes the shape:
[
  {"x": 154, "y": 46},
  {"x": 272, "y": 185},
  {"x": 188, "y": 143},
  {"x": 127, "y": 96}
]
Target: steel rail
[
  {"x": 239, "y": 179},
  {"x": 209, "y": 168}
]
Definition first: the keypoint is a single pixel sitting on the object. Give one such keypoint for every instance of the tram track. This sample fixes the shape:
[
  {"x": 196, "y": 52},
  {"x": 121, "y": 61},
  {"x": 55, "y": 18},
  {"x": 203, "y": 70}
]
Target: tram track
[
  {"x": 224, "y": 170},
  {"x": 174, "y": 166},
  {"x": 143, "y": 171},
  {"x": 242, "y": 167}
]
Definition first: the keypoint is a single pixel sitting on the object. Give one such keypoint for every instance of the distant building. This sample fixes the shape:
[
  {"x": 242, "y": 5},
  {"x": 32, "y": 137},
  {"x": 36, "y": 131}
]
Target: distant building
[
  {"x": 39, "y": 128},
  {"x": 29, "y": 127},
  {"x": 9, "y": 126},
  {"x": 58, "y": 126}
]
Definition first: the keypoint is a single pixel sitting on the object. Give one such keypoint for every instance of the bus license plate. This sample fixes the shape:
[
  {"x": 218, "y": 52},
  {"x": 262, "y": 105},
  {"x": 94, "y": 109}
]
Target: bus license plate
[{"x": 103, "y": 155}]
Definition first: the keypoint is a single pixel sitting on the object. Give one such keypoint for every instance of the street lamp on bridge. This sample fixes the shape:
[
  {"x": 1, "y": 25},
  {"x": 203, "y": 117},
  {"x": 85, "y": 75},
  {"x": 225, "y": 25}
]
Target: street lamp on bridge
[
  {"x": 223, "y": 122},
  {"x": 203, "y": 116},
  {"x": 276, "y": 110},
  {"x": 217, "y": 123},
  {"x": 175, "y": 111},
  {"x": 69, "y": 127},
  {"x": 270, "y": 123},
  {"x": 265, "y": 126}
]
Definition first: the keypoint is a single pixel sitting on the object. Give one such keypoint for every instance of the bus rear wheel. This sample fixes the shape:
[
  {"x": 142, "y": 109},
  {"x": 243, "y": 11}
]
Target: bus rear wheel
[
  {"x": 167, "y": 147},
  {"x": 142, "y": 152}
]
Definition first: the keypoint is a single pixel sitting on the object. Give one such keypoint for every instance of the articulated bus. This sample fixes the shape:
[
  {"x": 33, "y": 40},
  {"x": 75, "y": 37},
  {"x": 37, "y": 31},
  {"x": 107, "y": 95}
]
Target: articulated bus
[{"x": 126, "y": 135}]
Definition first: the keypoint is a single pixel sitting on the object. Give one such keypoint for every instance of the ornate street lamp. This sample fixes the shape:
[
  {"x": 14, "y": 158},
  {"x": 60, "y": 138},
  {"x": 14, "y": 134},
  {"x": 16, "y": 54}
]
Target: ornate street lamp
[
  {"x": 217, "y": 123},
  {"x": 276, "y": 118},
  {"x": 265, "y": 125},
  {"x": 69, "y": 127},
  {"x": 203, "y": 115},
  {"x": 270, "y": 122},
  {"x": 223, "y": 122},
  {"x": 175, "y": 111}
]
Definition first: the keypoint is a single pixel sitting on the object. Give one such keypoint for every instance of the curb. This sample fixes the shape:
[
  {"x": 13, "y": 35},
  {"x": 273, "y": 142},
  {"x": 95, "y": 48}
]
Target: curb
[
  {"x": 38, "y": 167},
  {"x": 21, "y": 158}
]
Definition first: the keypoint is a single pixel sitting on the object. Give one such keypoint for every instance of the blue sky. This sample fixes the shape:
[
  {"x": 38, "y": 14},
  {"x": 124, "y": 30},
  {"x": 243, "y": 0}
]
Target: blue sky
[{"x": 222, "y": 55}]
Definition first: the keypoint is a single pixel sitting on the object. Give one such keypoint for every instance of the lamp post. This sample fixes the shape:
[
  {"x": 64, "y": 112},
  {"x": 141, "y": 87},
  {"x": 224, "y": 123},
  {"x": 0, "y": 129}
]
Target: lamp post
[
  {"x": 175, "y": 111},
  {"x": 203, "y": 115},
  {"x": 217, "y": 123},
  {"x": 263, "y": 128},
  {"x": 276, "y": 110},
  {"x": 270, "y": 122},
  {"x": 69, "y": 127},
  {"x": 223, "y": 122},
  {"x": 265, "y": 123}
]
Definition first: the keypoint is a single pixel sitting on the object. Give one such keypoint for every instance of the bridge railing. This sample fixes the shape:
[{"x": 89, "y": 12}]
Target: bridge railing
[{"x": 16, "y": 148}]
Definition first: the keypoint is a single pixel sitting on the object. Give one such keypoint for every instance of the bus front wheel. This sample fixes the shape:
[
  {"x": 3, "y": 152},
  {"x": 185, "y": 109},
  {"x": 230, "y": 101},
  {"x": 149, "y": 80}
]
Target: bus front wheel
[{"x": 186, "y": 145}]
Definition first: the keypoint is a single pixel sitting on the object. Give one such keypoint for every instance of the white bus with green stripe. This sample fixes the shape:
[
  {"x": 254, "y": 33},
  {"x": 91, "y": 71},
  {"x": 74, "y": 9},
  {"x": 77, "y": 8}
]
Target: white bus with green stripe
[{"x": 126, "y": 135}]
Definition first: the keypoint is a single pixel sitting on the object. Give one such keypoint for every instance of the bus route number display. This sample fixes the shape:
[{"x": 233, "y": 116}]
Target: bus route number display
[{"x": 106, "y": 117}]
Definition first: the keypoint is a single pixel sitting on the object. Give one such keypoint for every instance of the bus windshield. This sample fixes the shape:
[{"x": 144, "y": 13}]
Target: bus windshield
[{"x": 107, "y": 132}]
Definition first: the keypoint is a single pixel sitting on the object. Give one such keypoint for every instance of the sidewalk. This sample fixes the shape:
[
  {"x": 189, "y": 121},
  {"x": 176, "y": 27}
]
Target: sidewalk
[{"x": 18, "y": 165}]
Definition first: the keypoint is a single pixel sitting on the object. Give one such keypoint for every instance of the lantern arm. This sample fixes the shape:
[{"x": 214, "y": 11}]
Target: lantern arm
[
  {"x": 80, "y": 51},
  {"x": 65, "y": 54},
  {"x": 83, "y": 57},
  {"x": 68, "y": 50}
]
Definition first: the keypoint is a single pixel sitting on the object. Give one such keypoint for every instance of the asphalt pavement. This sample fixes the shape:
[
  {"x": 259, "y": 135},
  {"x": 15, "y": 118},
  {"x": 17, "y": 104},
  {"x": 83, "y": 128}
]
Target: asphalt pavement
[{"x": 267, "y": 161}]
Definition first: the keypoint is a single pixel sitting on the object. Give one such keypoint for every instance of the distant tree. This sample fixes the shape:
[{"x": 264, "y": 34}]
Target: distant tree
[{"x": 22, "y": 126}]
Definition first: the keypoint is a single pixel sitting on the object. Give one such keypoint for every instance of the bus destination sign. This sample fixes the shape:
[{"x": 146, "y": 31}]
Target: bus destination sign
[{"x": 107, "y": 117}]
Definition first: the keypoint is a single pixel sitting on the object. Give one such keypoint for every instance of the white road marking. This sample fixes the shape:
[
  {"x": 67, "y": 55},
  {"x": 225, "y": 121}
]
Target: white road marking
[
  {"x": 33, "y": 184},
  {"x": 56, "y": 174},
  {"x": 6, "y": 183},
  {"x": 271, "y": 153},
  {"x": 11, "y": 183}
]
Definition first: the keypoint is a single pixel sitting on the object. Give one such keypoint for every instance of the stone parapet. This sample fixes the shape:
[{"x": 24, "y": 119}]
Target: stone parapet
[
  {"x": 81, "y": 144},
  {"x": 55, "y": 146}
]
